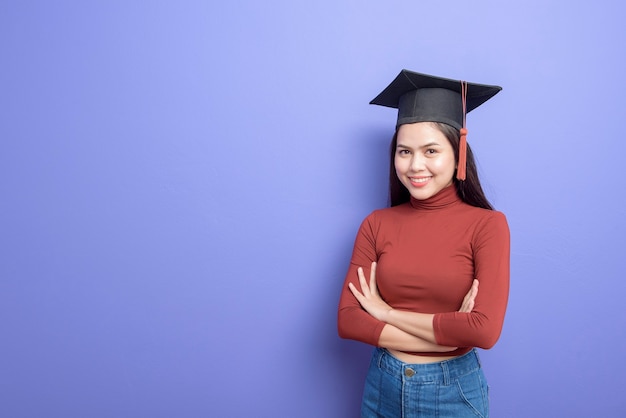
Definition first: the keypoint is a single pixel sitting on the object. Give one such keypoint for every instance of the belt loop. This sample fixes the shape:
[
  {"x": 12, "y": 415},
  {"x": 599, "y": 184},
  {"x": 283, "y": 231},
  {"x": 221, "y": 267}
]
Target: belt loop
[
  {"x": 446, "y": 373},
  {"x": 477, "y": 357}
]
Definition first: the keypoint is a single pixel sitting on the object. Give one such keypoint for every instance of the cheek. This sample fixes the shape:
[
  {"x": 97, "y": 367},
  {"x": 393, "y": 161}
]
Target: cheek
[
  {"x": 400, "y": 165},
  {"x": 445, "y": 164}
]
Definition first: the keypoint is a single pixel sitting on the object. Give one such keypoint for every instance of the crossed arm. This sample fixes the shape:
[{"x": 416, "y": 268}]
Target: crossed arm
[{"x": 403, "y": 330}]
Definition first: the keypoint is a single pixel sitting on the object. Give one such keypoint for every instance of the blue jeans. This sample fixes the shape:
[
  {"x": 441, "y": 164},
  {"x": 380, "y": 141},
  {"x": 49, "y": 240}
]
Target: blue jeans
[{"x": 453, "y": 388}]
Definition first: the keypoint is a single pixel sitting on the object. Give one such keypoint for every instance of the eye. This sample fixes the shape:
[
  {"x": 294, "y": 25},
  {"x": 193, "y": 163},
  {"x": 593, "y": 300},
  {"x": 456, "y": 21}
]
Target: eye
[
  {"x": 403, "y": 151},
  {"x": 431, "y": 151}
]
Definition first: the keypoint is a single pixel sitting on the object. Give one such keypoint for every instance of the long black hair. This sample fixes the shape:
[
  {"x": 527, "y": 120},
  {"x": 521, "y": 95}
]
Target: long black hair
[{"x": 469, "y": 191}]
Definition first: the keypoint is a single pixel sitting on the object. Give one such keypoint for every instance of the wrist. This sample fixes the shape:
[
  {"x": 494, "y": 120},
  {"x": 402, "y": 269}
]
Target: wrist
[{"x": 387, "y": 316}]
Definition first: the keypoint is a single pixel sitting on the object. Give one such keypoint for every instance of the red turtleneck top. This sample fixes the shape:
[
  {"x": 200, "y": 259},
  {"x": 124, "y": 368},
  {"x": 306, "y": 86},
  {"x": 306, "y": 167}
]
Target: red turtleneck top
[{"x": 428, "y": 253}]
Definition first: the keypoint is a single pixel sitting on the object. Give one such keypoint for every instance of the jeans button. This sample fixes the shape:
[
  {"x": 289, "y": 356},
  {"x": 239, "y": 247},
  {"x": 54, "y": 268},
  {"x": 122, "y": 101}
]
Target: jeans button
[{"x": 408, "y": 372}]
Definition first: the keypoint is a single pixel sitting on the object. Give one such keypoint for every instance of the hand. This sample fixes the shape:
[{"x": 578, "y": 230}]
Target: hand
[
  {"x": 369, "y": 298},
  {"x": 470, "y": 297}
]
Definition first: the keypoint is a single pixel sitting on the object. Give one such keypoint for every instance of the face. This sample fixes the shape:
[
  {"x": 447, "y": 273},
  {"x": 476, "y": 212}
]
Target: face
[{"x": 424, "y": 159}]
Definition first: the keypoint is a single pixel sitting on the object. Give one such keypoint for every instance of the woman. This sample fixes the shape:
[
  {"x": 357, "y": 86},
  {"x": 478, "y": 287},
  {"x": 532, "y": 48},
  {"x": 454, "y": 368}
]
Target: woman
[{"x": 429, "y": 276}]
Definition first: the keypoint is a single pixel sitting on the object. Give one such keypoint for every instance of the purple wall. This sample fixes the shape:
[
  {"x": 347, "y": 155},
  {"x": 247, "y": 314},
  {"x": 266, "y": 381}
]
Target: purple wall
[{"x": 181, "y": 185}]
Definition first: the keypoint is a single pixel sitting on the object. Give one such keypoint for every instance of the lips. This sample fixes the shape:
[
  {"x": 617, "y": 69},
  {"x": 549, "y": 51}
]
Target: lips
[{"x": 419, "y": 181}]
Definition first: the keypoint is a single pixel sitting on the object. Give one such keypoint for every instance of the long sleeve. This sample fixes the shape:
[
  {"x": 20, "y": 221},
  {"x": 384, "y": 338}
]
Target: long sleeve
[
  {"x": 352, "y": 321},
  {"x": 428, "y": 253},
  {"x": 482, "y": 326}
]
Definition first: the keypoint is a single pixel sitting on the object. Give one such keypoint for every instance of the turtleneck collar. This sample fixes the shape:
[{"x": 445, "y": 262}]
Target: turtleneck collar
[{"x": 444, "y": 198}]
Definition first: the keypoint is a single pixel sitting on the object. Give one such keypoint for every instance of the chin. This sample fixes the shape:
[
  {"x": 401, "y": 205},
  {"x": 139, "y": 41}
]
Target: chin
[
  {"x": 427, "y": 192},
  {"x": 421, "y": 196}
]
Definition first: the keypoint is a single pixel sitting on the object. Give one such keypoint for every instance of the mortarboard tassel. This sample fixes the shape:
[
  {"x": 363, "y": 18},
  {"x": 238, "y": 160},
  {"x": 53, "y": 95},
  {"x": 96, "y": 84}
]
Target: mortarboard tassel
[
  {"x": 460, "y": 173},
  {"x": 462, "y": 165}
]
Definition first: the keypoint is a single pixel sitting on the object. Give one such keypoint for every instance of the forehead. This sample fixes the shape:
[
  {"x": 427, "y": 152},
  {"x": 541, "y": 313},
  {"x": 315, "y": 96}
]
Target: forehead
[{"x": 421, "y": 133}]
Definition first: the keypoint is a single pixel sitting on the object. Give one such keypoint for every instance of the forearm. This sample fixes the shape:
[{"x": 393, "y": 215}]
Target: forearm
[
  {"x": 416, "y": 324},
  {"x": 396, "y": 339}
]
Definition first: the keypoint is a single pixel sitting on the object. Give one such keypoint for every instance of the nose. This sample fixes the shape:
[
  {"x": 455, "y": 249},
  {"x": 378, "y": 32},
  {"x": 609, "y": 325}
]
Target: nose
[{"x": 417, "y": 162}]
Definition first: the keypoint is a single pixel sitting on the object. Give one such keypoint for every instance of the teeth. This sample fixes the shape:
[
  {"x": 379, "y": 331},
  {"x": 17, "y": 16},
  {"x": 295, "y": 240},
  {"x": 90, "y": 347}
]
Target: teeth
[{"x": 419, "y": 180}]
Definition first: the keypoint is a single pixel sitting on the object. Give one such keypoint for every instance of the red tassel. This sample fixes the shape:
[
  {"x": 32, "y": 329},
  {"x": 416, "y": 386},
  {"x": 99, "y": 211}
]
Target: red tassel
[
  {"x": 462, "y": 164},
  {"x": 461, "y": 169}
]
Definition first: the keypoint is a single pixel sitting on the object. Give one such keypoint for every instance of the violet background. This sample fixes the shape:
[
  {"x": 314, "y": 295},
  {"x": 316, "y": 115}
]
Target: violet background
[{"x": 181, "y": 184}]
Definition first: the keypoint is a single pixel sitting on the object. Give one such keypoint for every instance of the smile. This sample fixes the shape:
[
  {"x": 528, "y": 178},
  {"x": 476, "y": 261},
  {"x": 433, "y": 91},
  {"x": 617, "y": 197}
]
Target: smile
[{"x": 419, "y": 181}]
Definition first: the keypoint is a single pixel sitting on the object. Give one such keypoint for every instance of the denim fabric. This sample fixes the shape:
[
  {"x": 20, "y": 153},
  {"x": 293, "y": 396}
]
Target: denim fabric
[{"x": 453, "y": 388}]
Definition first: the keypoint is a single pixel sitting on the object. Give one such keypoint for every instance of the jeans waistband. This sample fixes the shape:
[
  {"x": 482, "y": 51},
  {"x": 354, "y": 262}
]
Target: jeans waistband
[{"x": 442, "y": 371}]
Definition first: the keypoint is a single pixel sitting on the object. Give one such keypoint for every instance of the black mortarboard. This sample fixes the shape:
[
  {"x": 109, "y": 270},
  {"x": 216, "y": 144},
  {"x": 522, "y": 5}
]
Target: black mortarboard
[{"x": 426, "y": 98}]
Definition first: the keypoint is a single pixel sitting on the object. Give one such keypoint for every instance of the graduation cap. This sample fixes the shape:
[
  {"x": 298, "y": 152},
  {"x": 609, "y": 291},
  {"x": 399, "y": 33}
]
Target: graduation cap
[{"x": 426, "y": 98}]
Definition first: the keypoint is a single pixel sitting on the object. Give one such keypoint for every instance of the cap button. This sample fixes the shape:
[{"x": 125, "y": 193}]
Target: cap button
[{"x": 409, "y": 372}]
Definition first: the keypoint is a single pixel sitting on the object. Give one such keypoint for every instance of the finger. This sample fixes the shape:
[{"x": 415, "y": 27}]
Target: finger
[
  {"x": 470, "y": 306},
  {"x": 373, "y": 287},
  {"x": 474, "y": 289},
  {"x": 355, "y": 292},
  {"x": 466, "y": 301},
  {"x": 470, "y": 298},
  {"x": 471, "y": 294},
  {"x": 363, "y": 282},
  {"x": 465, "y": 306}
]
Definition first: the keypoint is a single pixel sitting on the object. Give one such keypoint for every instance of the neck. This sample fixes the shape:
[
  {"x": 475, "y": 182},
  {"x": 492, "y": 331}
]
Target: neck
[{"x": 444, "y": 198}]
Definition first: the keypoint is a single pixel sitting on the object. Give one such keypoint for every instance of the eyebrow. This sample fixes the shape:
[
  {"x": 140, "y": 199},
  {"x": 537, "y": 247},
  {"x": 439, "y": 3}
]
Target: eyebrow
[{"x": 430, "y": 144}]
